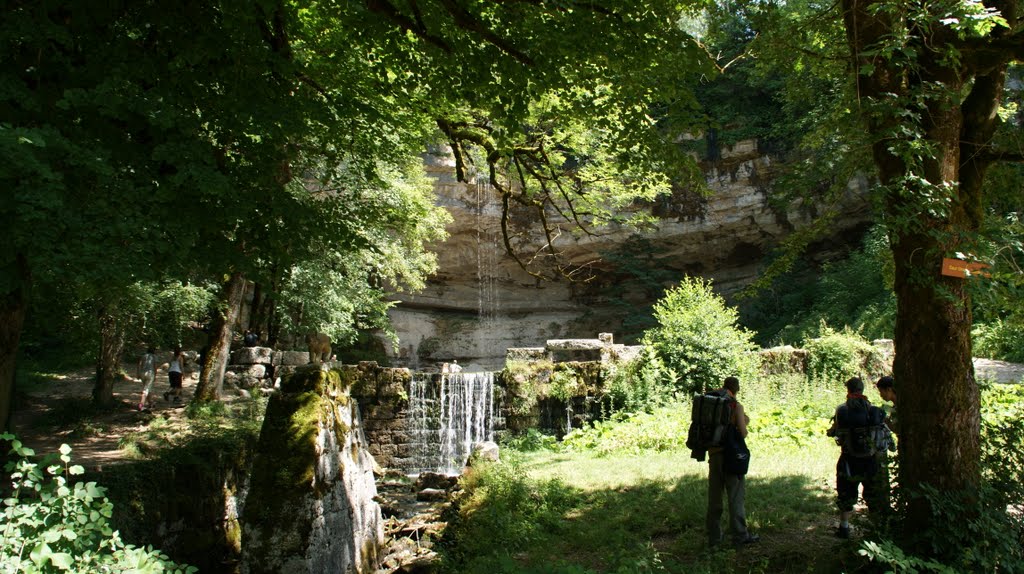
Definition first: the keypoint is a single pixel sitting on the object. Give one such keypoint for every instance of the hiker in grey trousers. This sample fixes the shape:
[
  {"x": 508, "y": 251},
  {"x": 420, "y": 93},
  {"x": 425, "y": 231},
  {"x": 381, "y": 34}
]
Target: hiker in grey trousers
[{"x": 733, "y": 485}]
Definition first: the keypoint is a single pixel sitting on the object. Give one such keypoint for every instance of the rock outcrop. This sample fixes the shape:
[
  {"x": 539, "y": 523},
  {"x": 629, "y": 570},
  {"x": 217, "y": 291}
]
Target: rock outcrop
[
  {"x": 480, "y": 302},
  {"x": 310, "y": 506}
]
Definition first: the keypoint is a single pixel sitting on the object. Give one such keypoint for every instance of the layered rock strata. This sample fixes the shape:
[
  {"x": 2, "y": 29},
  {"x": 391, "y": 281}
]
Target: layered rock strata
[{"x": 480, "y": 302}]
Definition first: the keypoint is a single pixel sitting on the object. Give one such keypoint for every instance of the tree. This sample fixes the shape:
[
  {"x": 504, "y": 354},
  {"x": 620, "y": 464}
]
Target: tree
[
  {"x": 926, "y": 79},
  {"x": 192, "y": 130},
  {"x": 698, "y": 337},
  {"x": 930, "y": 77}
]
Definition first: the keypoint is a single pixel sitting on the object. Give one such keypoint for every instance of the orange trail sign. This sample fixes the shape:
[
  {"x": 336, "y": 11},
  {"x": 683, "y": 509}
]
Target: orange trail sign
[{"x": 961, "y": 268}]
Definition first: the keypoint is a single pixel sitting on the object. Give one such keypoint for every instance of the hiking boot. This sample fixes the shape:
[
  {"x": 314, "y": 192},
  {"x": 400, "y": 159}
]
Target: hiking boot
[
  {"x": 167, "y": 396},
  {"x": 843, "y": 532},
  {"x": 748, "y": 539}
]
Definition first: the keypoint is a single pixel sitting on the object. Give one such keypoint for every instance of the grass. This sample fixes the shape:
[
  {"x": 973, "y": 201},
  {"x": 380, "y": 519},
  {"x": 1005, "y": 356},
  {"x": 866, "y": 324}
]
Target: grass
[{"x": 626, "y": 498}]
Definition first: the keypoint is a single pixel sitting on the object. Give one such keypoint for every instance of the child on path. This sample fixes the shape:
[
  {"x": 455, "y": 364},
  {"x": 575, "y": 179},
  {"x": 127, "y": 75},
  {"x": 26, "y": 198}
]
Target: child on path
[{"x": 146, "y": 371}]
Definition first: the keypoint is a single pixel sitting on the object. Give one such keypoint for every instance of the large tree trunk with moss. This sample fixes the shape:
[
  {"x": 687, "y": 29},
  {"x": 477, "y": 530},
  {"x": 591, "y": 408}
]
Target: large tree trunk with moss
[
  {"x": 933, "y": 207},
  {"x": 12, "y": 317},
  {"x": 211, "y": 377},
  {"x": 108, "y": 363}
]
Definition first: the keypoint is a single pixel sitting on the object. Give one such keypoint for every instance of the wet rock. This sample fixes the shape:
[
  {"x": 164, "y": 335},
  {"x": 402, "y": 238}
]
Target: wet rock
[
  {"x": 432, "y": 495},
  {"x": 434, "y": 480}
]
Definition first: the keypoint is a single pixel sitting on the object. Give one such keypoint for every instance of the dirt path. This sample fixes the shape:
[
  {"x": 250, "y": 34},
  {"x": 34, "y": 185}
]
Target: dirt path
[{"x": 59, "y": 411}]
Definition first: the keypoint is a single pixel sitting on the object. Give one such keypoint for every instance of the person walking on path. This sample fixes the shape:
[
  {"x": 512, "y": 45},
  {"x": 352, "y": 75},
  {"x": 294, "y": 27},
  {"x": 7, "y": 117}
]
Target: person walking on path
[
  {"x": 722, "y": 481},
  {"x": 860, "y": 431},
  {"x": 146, "y": 371},
  {"x": 175, "y": 375}
]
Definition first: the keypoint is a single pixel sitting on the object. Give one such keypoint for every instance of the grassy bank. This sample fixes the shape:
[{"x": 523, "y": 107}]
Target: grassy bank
[{"x": 626, "y": 497}]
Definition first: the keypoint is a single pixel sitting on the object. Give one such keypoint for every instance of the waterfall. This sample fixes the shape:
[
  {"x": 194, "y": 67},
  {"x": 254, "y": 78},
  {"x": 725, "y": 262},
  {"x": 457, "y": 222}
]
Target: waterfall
[{"x": 449, "y": 413}]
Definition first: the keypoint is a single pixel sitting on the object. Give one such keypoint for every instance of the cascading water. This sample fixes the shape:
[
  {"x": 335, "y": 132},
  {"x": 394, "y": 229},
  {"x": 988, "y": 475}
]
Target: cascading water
[{"x": 449, "y": 414}]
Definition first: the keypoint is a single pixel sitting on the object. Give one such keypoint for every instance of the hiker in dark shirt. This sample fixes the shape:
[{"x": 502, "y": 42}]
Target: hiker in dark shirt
[{"x": 859, "y": 430}]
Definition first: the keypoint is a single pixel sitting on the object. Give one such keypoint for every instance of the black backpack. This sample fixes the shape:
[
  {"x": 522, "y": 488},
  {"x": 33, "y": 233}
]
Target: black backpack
[
  {"x": 710, "y": 417},
  {"x": 862, "y": 432}
]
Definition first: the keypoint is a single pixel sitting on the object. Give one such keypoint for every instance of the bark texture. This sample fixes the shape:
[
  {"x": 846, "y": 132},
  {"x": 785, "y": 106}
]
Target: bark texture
[
  {"x": 12, "y": 316},
  {"x": 211, "y": 377},
  {"x": 108, "y": 363}
]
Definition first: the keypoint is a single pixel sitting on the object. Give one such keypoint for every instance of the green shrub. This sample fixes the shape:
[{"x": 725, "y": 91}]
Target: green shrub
[
  {"x": 49, "y": 525},
  {"x": 498, "y": 497},
  {"x": 999, "y": 339},
  {"x": 699, "y": 339},
  {"x": 566, "y": 384},
  {"x": 639, "y": 385},
  {"x": 663, "y": 429},
  {"x": 835, "y": 356},
  {"x": 1002, "y": 433}
]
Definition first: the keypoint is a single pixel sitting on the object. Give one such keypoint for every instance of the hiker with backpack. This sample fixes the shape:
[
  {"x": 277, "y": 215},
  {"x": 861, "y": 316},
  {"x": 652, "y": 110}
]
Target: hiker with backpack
[
  {"x": 719, "y": 429},
  {"x": 859, "y": 429}
]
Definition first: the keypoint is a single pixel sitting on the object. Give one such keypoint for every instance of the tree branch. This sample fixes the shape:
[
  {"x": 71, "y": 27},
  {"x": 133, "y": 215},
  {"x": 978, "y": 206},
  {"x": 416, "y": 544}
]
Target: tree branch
[
  {"x": 405, "y": 23},
  {"x": 467, "y": 21}
]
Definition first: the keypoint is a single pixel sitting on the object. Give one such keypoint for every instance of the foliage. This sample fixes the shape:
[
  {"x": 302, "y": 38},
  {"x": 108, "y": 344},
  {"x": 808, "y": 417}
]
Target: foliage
[
  {"x": 531, "y": 440},
  {"x": 660, "y": 430},
  {"x": 698, "y": 337},
  {"x": 522, "y": 380},
  {"x": 51, "y": 525},
  {"x": 1002, "y": 431},
  {"x": 566, "y": 384},
  {"x": 835, "y": 356},
  {"x": 855, "y": 290},
  {"x": 343, "y": 292},
  {"x": 888, "y": 553},
  {"x": 497, "y": 497},
  {"x": 638, "y": 385},
  {"x": 999, "y": 339}
]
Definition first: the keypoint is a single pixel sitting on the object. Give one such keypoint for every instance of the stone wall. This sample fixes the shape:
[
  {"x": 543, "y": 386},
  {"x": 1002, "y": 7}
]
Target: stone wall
[{"x": 310, "y": 504}]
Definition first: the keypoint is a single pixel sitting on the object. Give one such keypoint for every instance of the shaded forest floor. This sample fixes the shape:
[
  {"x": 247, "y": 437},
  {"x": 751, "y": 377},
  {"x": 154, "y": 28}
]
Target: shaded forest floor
[{"x": 56, "y": 408}]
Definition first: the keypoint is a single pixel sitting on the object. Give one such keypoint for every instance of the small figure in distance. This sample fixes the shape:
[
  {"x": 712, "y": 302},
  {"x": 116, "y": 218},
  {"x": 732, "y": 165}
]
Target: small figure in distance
[
  {"x": 455, "y": 367},
  {"x": 146, "y": 371},
  {"x": 175, "y": 375},
  {"x": 251, "y": 339}
]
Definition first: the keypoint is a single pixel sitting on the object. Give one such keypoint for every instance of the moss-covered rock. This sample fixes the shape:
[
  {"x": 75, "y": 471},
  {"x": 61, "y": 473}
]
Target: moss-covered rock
[{"x": 310, "y": 504}]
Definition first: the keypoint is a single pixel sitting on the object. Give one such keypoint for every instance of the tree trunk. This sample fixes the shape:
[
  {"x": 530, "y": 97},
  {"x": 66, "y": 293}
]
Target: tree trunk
[
  {"x": 933, "y": 206},
  {"x": 211, "y": 377},
  {"x": 108, "y": 364},
  {"x": 12, "y": 317}
]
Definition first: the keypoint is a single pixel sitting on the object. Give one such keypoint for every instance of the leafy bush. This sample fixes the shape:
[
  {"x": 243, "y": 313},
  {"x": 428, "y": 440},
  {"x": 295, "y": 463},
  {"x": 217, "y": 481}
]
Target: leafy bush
[
  {"x": 855, "y": 291},
  {"x": 49, "y": 525},
  {"x": 1002, "y": 433},
  {"x": 999, "y": 339},
  {"x": 566, "y": 384},
  {"x": 663, "y": 429},
  {"x": 499, "y": 497},
  {"x": 698, "y": 337},
  {"x": 835, "y": 356},
  {"x": 640, "y": 385},
  {"x": 521, "y": 379}
]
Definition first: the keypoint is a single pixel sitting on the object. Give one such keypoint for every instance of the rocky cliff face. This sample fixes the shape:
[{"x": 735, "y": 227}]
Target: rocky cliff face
[{"x": 480, "y": 302}]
